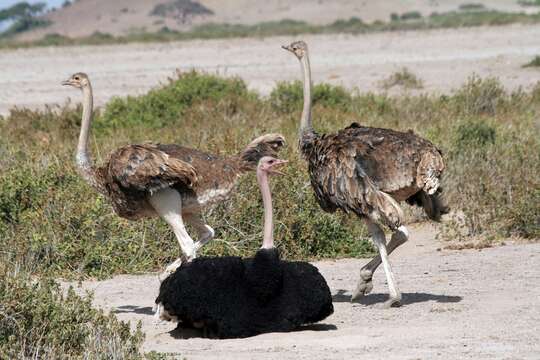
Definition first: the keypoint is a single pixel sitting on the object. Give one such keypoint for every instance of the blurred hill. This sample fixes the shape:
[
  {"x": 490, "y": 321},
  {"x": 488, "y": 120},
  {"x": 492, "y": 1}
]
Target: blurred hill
[{"x": 121, "y": 17}]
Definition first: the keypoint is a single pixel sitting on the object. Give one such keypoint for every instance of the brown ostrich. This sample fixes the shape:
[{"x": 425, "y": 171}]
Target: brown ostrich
[
  {"x": 367, "y": 171},
  {"x": 170, "y": 181}
]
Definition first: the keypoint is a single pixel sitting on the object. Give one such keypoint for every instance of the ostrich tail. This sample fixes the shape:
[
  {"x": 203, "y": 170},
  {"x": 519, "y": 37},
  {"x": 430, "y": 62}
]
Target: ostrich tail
[
  {"x": 434, "y": 205},
  {"x": 265, "y": 145}
]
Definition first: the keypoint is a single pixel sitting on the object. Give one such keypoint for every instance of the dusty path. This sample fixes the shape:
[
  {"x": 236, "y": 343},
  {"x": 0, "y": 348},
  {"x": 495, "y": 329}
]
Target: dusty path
[
  {"x": 442, "y": 58},
  {"x": 457, "y": 304}
]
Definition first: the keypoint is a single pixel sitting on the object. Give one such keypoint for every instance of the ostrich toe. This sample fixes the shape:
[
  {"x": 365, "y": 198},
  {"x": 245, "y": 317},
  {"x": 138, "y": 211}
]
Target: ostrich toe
[{"x": 365, "y": 285}]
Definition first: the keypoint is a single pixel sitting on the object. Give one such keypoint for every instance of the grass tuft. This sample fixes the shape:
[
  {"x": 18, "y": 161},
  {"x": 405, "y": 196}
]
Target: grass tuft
[
  {"x": 534, "y": 62},
  {"x": 472, "y": 7},
  {"x": 529, "y": 2},
  {"x": 403, "y": 78}
]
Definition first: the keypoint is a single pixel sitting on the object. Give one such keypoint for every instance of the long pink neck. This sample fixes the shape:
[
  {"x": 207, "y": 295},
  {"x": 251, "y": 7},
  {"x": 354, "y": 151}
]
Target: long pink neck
[
  {"x": 268, "y": 238},
  {"x": 84, "y": 163}
]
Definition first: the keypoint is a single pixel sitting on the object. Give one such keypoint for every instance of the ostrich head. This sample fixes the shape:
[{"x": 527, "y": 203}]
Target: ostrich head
[
  {"x": 78, "y": 80},
  {"x": 298, "y": 48},
  {"x": 268, "y": 165}
]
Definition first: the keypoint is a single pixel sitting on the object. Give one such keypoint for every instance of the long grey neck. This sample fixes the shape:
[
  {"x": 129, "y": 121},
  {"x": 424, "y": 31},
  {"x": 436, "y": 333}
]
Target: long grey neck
[
  {"x": 268, "y": 238},
  {"x": 305, "y": 122},
  {"x": 84, "y": 164}
]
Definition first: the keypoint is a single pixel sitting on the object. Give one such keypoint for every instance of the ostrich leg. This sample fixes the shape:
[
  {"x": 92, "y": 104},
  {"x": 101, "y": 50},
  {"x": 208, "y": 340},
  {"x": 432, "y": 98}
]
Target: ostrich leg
[
  {"x": 168, "y": 204},
  {"x": 206, "y": 233},
  {"x": 380, "y": 242},
  {"x": 365, "y": 284}
]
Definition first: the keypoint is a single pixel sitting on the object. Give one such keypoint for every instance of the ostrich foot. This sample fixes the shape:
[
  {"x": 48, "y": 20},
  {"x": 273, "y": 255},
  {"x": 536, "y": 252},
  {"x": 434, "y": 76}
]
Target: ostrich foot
[
  {"x": 160, "y": 314},
  {"x": 206, "y": 236},
  {"x": 365, "y": 285},
  {"x": 390, "y": 303},
  {"x": 170, "y": 269}
]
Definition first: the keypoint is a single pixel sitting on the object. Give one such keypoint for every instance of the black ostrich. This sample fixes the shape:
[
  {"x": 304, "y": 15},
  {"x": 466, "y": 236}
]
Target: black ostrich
[{"x": 234, "y": 297}]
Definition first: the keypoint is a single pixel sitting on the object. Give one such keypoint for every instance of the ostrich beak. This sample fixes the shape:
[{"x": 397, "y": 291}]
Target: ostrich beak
[
  {"x": 277, "y": 163},
  {"x": 286, "y": 47},
  {"x": 66, "y": 82}
]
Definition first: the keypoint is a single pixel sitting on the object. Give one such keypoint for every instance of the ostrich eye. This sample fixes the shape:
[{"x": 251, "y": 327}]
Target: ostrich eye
[{"x": 76, "y": 78}]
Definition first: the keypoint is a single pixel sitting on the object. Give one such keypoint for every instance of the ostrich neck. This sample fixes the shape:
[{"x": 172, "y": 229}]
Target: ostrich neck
[
  {"x": 84, "y": 164},
  {"x": 305, "y": 122},
  {"x": 268, "y": 238},
  {"x": 88, "y": 104}
]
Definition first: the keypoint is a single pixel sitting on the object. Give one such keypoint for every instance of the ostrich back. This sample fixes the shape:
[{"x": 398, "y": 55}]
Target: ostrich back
[
  {"x": 355, "y": 168},
  {"x": 235, "y": 297},
  {"x": 134, "y": 172}
]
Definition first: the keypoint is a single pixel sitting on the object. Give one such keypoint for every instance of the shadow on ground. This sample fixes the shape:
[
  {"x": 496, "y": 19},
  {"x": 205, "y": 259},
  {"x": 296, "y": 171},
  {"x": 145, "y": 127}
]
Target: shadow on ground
[
  {"x": 145, "y": 310},
  {"x": 407, "y": 298},
  {"x": 189, "y": 332}
]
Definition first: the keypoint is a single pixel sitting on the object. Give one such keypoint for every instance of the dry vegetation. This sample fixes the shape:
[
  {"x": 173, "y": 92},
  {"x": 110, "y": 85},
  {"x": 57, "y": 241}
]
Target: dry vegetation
[
  {"x": 53, "y": 224},
  {"x": 535, "y": 62},
  {"x": 403, "y": 78},
  {"x": 468, "y": 16}
]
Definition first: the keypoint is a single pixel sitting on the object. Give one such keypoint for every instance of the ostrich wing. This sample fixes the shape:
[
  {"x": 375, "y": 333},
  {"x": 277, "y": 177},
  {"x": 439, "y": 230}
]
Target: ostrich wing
[
  {"x": 365, "y": 170},
  {"x": 398, "y": 163},
  {"x": 340, "y": 180},
  {"x": 147, "y": 168}
]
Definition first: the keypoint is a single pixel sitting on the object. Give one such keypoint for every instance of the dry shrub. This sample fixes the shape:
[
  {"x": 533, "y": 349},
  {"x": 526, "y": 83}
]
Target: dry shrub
[
  {"x": 49, "y": 217},
  {"x": 403, "y": 78},
  {"x": 37, "y": 321}
]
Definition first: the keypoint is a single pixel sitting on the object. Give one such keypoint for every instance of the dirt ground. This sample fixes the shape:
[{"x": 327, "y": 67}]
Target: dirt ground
[
  {"x": 443, "y": 59},
  {"x": 469, "y": 304}
]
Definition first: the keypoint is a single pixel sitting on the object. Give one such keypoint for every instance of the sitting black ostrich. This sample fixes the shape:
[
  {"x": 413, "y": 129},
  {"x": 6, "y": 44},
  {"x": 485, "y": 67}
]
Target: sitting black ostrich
[{"x": 234, "y": 297}]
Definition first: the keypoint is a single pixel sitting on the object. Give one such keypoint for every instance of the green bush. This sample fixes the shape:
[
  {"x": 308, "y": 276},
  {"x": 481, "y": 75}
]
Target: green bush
[
  {"x": 534, "y": 62},
  {"x": 472, "y": 7},
  {"x": 480, "y": 96},
  {"x": 411, "y": 15},
  {"x": 288, "y": 96},
  {"x": 477, "y": 134},
  {"x": 529, "y": 2},
  {"x": 165, "y": 105},
  {"x": 50, "y": 219},
  {"x": 407, "y": 21},
  {"x": 38, "y": 322}
]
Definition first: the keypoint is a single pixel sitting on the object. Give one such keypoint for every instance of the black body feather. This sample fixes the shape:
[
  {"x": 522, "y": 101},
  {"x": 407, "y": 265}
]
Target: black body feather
[{"x": 234, "y": 297}]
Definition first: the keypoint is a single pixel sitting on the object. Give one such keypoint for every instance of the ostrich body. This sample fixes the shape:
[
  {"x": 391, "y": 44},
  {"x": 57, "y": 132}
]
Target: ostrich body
[
  {"x": 367, "y": 171},
  {"x": 170, "y": 181},
  {"x": 235, "y": 297}
]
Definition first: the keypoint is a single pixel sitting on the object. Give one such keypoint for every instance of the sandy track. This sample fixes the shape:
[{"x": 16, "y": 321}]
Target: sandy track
[
  {"x": 442, "y": 58},
  {"x": 457, "y": 304}
]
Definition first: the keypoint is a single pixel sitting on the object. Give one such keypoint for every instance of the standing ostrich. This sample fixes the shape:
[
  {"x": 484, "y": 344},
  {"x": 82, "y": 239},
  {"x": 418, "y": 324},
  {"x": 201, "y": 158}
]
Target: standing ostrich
[
  {"x": 170, "y": 181},
  {"x": 367, "y": 171},
  {"x": 235, "y": 297}
]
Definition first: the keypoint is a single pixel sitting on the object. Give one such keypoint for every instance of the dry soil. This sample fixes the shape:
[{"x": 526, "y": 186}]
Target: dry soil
[{"x": 469, "y": 304}]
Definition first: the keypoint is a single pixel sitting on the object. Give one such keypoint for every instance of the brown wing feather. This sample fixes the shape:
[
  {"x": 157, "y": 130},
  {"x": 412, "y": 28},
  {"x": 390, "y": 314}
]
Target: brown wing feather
[
  {"x": 399, "y": 163},
  {"x": 340, "y": 181},
  {"x": 365, "y": 170},
  {"x": 148, "y": 169}
]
